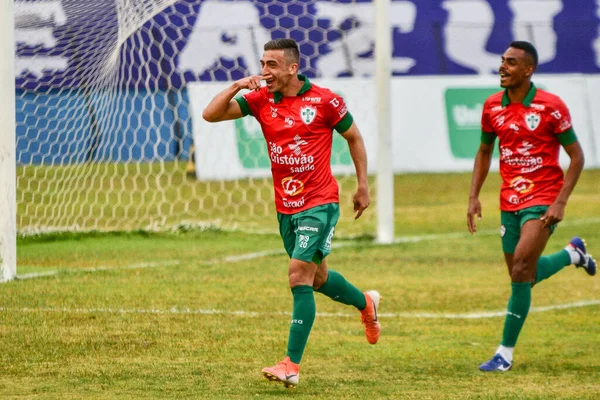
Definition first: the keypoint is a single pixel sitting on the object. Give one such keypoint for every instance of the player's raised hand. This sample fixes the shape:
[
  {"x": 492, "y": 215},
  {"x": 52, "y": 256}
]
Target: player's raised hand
[
  {"x": 361, "y": 201},
  {"x": 474, "y": 209},
  {"x": 250, "y": 82}
]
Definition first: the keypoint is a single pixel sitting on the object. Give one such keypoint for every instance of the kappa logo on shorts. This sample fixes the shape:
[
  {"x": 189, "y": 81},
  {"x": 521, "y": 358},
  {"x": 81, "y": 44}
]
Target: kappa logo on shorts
[
  {"x": 308, "y": 228},
  {"x": 502, "y": 231},
  {"x": 329, "y": 238}
]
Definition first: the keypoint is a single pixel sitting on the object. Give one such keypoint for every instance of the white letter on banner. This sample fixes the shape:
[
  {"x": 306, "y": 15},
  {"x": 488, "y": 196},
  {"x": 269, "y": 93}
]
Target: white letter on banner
[
  {"x": 534, "y": 22},
  {"x": 34, "y": 26},
  {"x": 228, "y": 30},
  {"x": 470, "y": 23},
  {"x": 467, "y": 32},
  {"x": 345, "y": 54}
]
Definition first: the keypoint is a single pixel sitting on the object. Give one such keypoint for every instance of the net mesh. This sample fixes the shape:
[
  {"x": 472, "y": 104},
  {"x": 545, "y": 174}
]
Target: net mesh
[{"x": 109, "y": 135}]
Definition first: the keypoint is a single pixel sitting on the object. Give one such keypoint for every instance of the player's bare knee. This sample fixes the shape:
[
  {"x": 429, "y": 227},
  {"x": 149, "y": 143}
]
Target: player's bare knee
[
  {"x": 319, "y": 281},
  {"x": 300, "y": 273},
  {"x": 296, "y": 278},
  {"x": 521, "y": 271},
  {"x": 320, "y": 276}
]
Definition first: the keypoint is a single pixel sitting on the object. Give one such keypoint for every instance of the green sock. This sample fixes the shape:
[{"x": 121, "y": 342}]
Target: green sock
[
  {"x": 518, "y": 307},
  {"x": 303, "y": 317},
  {"x": 549, "y": 265},
  {"x": 339, "y": 289}
]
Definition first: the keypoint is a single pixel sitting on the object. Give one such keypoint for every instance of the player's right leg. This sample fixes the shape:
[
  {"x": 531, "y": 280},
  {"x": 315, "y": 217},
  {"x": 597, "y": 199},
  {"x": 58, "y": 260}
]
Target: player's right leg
[
  {"x": 307, "y": 239},
  {"x": 301, "y": 275},
  {"x": 301, "y": 245},
  {"x": 285, "y": 371},
  {"x": 532, "y": 240}
]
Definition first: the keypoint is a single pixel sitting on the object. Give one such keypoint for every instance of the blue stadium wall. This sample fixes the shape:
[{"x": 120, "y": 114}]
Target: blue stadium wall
[
  {"x": 128, "y": 132},
  {"x": 49, "y": 132}
]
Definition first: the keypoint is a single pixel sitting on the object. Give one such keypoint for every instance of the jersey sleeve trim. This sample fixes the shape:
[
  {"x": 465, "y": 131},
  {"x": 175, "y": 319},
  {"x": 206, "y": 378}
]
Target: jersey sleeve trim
[
  {"x": 344, "y": 124},
  {"x": 487, "y": 137},
  {"x": 567, "y": 137},
  {"x": 243, "y": 105}
]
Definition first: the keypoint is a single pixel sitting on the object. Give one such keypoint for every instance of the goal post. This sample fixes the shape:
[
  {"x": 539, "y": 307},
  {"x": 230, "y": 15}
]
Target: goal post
[
  {"x": 383, "y": 77},
  {"x": 8, "y": 213},
  {"x": 109, "y": 96}
]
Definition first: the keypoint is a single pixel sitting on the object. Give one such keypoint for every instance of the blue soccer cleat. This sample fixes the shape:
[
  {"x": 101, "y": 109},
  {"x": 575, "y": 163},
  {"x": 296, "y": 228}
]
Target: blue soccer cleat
[
  {"x": 497, "y": 363},
  {"x": 586, "y": 261}
]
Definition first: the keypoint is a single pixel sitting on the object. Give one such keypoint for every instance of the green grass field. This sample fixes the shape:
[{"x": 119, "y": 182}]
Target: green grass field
[{"x": 198, "y": 314}]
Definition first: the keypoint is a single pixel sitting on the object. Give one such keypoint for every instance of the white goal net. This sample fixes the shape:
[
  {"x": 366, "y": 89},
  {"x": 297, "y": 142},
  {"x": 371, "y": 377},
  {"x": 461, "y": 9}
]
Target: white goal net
[{"x": 109, "y": 94}]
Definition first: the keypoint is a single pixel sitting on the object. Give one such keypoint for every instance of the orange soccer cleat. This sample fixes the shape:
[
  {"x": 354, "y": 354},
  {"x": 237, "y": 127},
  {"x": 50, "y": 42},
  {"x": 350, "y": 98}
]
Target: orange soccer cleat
[
  {"x": 369, "y": 316},
  {"x": 285, "y": 372}
]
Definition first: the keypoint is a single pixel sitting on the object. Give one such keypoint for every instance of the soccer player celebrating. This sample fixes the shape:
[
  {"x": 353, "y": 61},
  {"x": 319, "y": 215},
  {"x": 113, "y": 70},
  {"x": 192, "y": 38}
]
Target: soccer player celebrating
[
  {"x": 531, "y": 125},
  {"x": 297, "y": 120}
]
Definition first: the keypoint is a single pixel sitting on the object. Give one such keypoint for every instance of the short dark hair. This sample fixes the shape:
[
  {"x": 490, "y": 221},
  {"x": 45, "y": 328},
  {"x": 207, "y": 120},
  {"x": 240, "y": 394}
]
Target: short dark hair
[
  {"x": 289, "y": 47},
  {"x": 528, "y": 48}
]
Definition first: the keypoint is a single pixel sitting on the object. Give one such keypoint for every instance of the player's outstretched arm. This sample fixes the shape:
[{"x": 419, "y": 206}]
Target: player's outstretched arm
[
  {"x": 359, "y": 157},
  {"x": 222, "y": 107},
  {"x": 556, "y": 211},
  {"x": 483, "y": 160}
]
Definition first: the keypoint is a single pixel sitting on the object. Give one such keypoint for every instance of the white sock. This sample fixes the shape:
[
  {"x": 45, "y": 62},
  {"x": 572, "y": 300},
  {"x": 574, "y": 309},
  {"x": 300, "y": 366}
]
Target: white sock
[
  {"x": 575, "y": 256},
  {"x": 506, "y": 353}
]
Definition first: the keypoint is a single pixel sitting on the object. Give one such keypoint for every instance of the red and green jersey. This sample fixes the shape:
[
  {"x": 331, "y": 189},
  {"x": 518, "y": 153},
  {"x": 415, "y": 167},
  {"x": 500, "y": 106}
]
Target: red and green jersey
[
  {"x": 530, "y": 135},
  {"x": 299, "y": 134}
]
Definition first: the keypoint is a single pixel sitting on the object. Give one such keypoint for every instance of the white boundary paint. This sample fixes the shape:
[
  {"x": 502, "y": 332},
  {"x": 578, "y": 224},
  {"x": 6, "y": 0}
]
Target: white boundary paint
[
  {"x": 97, "y": 269},
  {"x": 242, "y": 313},
  {"x": 267, "y": 253}
]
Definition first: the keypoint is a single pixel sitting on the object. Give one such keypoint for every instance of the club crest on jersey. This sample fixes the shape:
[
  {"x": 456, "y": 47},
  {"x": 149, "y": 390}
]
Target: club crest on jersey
[
  {"x": 308, "y": 114},
  {"x": 532, "y": 120}
]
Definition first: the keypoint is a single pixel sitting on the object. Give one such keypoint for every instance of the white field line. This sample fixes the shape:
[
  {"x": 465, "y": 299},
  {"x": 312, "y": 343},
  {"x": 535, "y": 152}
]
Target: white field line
[
  {"x": 241, "y": 313},
  {"x": 167, "y": 263},
  {"x": 266, "y": 253},
  {"x": 487, "y": 232},
  {"x": 97, "y": 269}
]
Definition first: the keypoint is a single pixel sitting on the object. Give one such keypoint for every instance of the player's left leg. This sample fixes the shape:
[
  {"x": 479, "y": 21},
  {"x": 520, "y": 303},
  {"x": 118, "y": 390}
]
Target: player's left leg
[
  {"x": 533, "y": 239},
  {"x": 301, "y": 275},
  {"x": 333, "y": 284}
]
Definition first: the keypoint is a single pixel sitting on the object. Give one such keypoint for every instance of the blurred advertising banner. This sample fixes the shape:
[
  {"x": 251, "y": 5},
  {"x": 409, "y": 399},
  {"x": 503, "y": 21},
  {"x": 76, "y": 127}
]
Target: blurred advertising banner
[
  {"x": 60, "y": 43},
  {"x": 435, "y": 125}
]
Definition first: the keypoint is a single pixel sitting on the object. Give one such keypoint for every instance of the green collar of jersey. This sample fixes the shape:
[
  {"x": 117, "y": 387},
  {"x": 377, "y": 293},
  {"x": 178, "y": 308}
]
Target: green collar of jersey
[
  {"x": 277, "y": 96},
  {"x": 526, "y": 101}
]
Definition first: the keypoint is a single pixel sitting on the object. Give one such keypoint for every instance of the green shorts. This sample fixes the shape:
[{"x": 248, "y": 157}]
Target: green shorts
[
  {"x": 307, "y": 235},
  {"x": 513, "y": 221}
]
